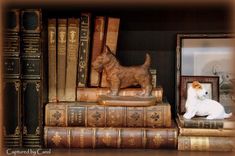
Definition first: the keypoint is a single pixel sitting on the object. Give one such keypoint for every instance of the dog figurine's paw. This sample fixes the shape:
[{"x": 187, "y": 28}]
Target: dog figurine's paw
[{"x": 187, "y": 116}]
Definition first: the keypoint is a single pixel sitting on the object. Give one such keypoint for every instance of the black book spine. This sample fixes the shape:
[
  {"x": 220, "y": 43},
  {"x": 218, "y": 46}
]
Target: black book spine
[
  {"x": 12, "y": 110},
  {"x": 32, "y": 77}
]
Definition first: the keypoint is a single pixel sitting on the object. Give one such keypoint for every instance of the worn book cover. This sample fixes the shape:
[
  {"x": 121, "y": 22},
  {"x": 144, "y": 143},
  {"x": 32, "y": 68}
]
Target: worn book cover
[
  {"x": 202, "y": 122},
  {"x": 84, "y": 50},
  {"x": 97, "y": 48},
  {"x": 12, "y": 106},
  {"x": 81, "y": 137},
  {"x": 220, "y": 132},
  {"x": 190, "y": 143},
  {"x": 92, "y": 94},
  {"x": 33, "y": 76},
  {"x": 92, "y": 115},
  {"x": 52, "y": 62},
  {"x": 61, "y": 58},
  {"x": 72, "y": 59},
  {"x": 111, "y": 41}
]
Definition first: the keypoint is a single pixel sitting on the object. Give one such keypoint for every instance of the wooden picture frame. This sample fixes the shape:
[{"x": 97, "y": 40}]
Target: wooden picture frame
[
  {"x": 210, "y": 83},
  {"x": 207, "y": 55}
]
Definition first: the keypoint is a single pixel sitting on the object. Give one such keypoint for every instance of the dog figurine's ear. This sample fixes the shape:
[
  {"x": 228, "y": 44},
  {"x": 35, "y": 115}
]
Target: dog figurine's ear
[
  {"x": 195, "y": 84},
  {"x": 107, "y": 49}
]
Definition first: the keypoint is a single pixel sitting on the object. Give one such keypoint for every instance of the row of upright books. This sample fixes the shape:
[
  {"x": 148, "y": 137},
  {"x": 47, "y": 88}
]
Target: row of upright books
[
  {"x": 24, "y": 88},
  {"x": 70, "y": 51}
]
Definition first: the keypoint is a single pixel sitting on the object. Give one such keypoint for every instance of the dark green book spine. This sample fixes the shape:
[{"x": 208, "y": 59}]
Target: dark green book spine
[
  {"x": 84, "y": 50},
  {"x": 12, "y": 111},
  {"x": 32, "y": 76}
]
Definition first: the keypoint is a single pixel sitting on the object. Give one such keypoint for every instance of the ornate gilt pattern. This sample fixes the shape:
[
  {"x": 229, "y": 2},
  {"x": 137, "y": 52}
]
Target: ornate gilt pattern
[
  {"x": 158, "y": 140},
  {"x": 96, "y": 116},
  {"x": 38, "y": 86},
  {"x": 155, "y": 116},
  {"x": 25, "y": 131},
  {"x": 107, "y": 139},
  {"x": 37, "y": 131},
  {"x": 17, "y": 85},
  {"x": 24, "y": 86},
  {"x": 17, "y": 131},
  {"x": 131, "y": 140},
  {"x": 56, "y": 139},
  {"x": 135, "y": 116},
  {"x": 57, "y": 115}
]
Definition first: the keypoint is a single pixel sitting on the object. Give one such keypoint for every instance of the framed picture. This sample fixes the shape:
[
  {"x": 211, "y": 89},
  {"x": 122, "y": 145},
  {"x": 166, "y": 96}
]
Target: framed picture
[
  {"x": 207, "y": 55},
  {"x": 209, "y": 83}
]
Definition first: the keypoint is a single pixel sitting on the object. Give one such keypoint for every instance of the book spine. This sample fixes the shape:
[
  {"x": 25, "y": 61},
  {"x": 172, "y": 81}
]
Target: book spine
[
  {"x": 32, "y": 76},
  {"x": 213, "y": 124},
  {"x": 100, "y": 116},
  {"x": 58, "y": 137},
  {"x": 84, "y": 50},
  {"x": 205, "y": 143},
  {"x": 72, "y": 59},
  {"x": 61, "y": 58},
  {"x": 12, "y": 124},
  {"x": 97, "y": 48},
  {"x": 92, "y": 94},
  {"x": 12, "y": 127},
  {"x": 52, "y": 79},
  {"x": 206, "y": 132},
  {"x": 111, "y": 42}
]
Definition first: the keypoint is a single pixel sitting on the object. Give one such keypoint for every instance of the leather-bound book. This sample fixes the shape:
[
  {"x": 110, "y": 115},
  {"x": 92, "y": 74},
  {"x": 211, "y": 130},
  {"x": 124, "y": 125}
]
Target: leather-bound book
[
  {"x": 72, "y": 59},
  {"x": 12, "y": 106},
  {"x": 80, "y": 137},
  {"x": 189, "y": 143},
  {"x": 61, "y": 58},
  {"x": 97, "y": 48},
  {"x": 33, "y": 76},
  {"x": 202, "y": 122},
  {"x": 92, "y": 115},
  {"x": 92, "y": 94},
  {"x": 111, "y": 41},
  {"x": 84, "y": 50},
  {"x": 52, "y": 79},
  {"x": 204, "y": 131}
]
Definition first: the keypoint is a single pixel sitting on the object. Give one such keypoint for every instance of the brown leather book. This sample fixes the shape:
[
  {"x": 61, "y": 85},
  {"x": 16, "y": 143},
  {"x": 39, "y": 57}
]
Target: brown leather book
[
  {"x": 80, "y": 137},
  {"x": 52, "y": 97},
  {"x": 92, "y": 94},
  {"x": 189, "y": 143},
  {"x": 72, "y": 59},
  {"x": 93, "y": 115},
  {"x": 204, "y": 131},
  {"x": 111, "y": 42},
  {"x": 61, "y": 58},
  {"x": 97, "y": 47},
  {"x": 84, "y": 50},
  {"x": 202, "y": 122}
]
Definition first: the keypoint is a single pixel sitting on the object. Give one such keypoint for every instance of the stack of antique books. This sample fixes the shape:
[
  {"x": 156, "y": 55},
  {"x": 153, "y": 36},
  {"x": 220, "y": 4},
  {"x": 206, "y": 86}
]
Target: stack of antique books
[
  {"x": 73, "y": 117},
  {"x": 200, "y": 134}
]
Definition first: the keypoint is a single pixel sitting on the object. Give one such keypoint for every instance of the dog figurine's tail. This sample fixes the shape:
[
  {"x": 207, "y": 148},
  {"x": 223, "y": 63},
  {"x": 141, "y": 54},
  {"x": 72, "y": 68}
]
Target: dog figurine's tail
[
  {"x": 147, "y": 61},
  {"x": 228, "y": 115}
]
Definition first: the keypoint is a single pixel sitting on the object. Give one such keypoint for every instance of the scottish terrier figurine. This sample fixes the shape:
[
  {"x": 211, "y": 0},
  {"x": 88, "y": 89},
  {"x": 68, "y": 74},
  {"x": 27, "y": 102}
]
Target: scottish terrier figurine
[{"x": 119, "y": 76}]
